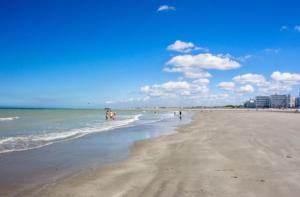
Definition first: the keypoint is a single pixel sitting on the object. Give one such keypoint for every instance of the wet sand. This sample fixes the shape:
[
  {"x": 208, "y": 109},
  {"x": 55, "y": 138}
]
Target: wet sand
[
  {"x": 23, "y": 170},
  {"x": 221, "y": 153}
]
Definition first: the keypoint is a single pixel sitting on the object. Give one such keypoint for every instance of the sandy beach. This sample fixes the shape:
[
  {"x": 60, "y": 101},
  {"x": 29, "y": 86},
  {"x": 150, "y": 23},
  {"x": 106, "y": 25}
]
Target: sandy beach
[{"x": 221, "y": 153}]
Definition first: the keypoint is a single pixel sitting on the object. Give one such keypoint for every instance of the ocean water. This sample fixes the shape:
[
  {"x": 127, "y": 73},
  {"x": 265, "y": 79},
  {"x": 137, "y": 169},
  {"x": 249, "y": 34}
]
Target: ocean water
[
  {"x": 39, "y": 146},
  {"x": 25, "y": 129}
]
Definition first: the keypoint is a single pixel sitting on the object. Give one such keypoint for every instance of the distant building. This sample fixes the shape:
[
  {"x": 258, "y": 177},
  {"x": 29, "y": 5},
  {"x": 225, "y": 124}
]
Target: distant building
[
  {"x": 297, "y": 102},
  {"x": 279, "y": 101},
  {"x": 274, "y": 101},
  {"x": 291, "y": 101},
  {"x": 250, "y": 104},
  {"x": 262, "y": 101}
]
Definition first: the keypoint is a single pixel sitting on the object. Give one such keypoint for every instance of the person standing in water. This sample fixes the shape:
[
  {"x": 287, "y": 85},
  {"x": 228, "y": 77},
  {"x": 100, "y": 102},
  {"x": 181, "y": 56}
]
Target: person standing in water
[
  {"x": 114, "y": 116},
  {"x": 106, "y": 115},
  {"x": 180, "y": 115}
]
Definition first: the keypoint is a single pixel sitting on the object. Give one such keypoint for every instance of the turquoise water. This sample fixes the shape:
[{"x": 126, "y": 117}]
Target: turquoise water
[{"x": 24, "y": 129}]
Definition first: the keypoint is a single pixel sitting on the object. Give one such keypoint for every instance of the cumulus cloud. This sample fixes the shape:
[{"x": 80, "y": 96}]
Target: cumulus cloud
[
  {"x": 189, "y": 73},
  {"x": 279, "y": 82},
  {"x": 166, "y": 8},
  {"x": 174, "y": 89},
  {"x": 193, "y": 90},
  {"x": 194, "y": 66},
  {"x": 181, "y": 85},
  {"x": 180, "y": 46},
  {"x": 203, "y": 61},
  {"x": 194, "y": 83},
  {"x": 246, "y": 89},
  {"x": 226, "y": 86},
  {"x": 203, "y": 82},
  {"x": 289, "y": 78},
  {"x": 250, "y": 79},
  {"x": 166, "y": 89},
  {"x": 275, "y": 87},
  {"x": 297, "y": 28},
  {"x": 235, "y": 88},
  {"x": 184, "y": 47},
  {"x": 197, "y": 74}
]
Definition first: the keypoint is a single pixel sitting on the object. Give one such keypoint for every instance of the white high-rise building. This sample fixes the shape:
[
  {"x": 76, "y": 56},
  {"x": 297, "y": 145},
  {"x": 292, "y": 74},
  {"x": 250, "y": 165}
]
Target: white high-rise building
[
  {"x": 279, "y": 101},
  {"x": 297, "y": 102},
  {"x": 262, "y": 101},
  {"x": 291, "y": 101}
]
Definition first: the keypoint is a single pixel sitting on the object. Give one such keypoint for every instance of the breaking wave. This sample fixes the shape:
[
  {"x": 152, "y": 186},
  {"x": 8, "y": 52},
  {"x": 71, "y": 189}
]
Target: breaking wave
[
  {"x": 20, "y": 143},
  {"x": 9, "y": 118}
]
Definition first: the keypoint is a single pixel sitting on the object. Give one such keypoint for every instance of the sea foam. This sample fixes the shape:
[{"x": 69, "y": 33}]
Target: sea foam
[
  {"x": 9, "y": 118},
  {"x": 21, "y": 143}
]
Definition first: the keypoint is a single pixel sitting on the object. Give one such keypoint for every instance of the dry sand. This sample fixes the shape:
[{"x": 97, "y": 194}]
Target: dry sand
[{"x": 221, "y": 153}]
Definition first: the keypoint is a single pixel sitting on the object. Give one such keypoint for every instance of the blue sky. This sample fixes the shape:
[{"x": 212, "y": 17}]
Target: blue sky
[{"x": 124, "y": 53}]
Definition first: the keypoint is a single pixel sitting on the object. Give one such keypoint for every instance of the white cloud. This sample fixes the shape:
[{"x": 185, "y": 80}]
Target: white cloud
[
  {"x": 145, "y": 89},
  {"x": 166, "y": 8},
  {"x": 197, "y": 90},
  {"x": 193, "y": 84},
  {"x": 275, "y": 87},
  {"x": 250, "y": 79},
  {"x": 184, "y": 47},
  {"x": 171, "y": 85},
  {"x": 176, "y": 89},
  {"x": 189, "y": 73},
  {"x": 297, "y": 28},
  {"x": 181, "y": 46},
  {"x": 289, "y": 78},
  {"x": 226, "y": 86},
  {"x": 245, "y": 80},
  {"x": 202, "y": 49},
  {"x": 279, "y": 82},
  {"x": 246, "y": 89},
  {"x": 194, "y": 66},
  {"x": 201, "y": 82},
  {"x": 199, "y": 74},
  {"x": 203, "y": 61},
  {"x": 167, "y": 89}
]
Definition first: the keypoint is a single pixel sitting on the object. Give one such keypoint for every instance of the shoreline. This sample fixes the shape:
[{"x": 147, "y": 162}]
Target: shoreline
[
  {"x": 139, "y": 147},
  {"x": 23, "y": 171},
  {"x": 204, "y": 157}
]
